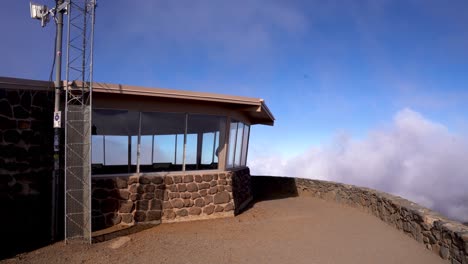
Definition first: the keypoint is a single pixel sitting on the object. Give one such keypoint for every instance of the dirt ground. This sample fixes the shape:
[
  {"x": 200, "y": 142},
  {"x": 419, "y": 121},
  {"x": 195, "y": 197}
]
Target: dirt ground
[{"x": 292, "y": 230}]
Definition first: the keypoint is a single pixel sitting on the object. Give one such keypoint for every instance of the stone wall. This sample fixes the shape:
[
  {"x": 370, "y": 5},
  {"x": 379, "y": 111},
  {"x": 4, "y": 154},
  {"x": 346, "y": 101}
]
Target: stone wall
[
  {"x": 26, "y": 136},
  {"x": 242, "y": 189},
  {"x": 156, "y": 198},
  {"x": 447, "y": 238}
]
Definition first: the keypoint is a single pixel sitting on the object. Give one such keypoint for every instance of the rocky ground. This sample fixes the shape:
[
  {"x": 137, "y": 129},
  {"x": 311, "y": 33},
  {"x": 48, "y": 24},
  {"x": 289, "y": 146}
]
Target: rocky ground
[{"x": 292, "y": 230}]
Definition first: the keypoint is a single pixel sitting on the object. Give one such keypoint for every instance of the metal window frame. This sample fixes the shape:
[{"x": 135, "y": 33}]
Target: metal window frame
[{"x": 185, "y": 143}]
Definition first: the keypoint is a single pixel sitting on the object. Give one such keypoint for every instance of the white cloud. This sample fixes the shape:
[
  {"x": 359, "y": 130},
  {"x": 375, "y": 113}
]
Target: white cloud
[{"x": 413, "y": 157}]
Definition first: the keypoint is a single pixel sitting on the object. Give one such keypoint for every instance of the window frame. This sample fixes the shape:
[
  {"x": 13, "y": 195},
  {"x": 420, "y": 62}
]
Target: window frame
[
  {"x": 129, "y": 146},
  {"x": 231, "y": 161},
  {"x": 137, "y": 163}
]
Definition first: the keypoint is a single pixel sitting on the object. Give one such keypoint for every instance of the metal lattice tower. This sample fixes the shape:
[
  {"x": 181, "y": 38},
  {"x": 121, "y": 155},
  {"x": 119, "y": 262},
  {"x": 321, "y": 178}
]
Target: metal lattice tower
[{"x": 78, "y": 109}]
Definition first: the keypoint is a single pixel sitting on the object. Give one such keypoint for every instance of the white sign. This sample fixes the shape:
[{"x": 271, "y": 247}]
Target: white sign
[{"x": 58, "y": 119}]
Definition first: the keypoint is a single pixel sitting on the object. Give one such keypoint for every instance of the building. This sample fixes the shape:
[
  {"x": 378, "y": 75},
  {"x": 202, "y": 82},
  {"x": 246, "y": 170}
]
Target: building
[
  {"x": 158, "y": 155},
  {"x": 168, "y": 155}
]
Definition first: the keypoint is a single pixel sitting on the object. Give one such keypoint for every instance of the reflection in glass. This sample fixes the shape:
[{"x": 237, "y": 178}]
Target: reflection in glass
[
  {"x": 97, "y": 151},
  {"x": 118, "y": 130},
  {"x": 156, "y": 141},
  {"x": 116, "y": 145},
  {"x": 232, "y": 144},
  {"x": 209, "y": 146},
  {"x": 238, "y": 148},
  {"x": 146, "y": 150},
  {"x": 245, "y": 144},
  {"x": 163, "y": 148},
  {"x": 238, "y": 144},
  {"x": 205, "y": 135},
  {"x": 191, "y": 152},
  {"x": 179, "y": 154}
]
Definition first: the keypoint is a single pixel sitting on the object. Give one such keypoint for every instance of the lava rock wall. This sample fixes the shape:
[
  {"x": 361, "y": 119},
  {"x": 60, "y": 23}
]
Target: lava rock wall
[
  {"x": 444, "y": 237},
  {"x": 26, "y": 162},
  {"x": 173, "y": 197},
  {"x": 447, "y": 238}
]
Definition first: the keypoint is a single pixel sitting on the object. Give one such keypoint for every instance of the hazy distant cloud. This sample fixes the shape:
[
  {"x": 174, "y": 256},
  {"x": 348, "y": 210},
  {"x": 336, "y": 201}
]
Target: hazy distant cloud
[
  {"x": 417, "y": 95},
  {"x": 413, "y": 157}
]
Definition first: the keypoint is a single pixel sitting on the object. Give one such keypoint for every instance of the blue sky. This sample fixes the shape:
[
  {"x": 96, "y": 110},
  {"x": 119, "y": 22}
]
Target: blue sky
[
  {"x": 368, "y": 92},
  {"x": 323, "y": 67}
]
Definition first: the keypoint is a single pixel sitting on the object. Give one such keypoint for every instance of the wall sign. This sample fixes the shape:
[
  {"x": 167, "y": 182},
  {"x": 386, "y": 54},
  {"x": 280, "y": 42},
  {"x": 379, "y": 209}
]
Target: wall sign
[{"x": 57, "y": 119}]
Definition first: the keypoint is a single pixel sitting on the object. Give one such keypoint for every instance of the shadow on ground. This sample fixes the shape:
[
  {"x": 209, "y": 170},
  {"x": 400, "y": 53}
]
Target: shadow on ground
[
  {"x": 272, "y": 188},
  {"x": 30, "y": 229},
  {"x": 25, "y": 226}
]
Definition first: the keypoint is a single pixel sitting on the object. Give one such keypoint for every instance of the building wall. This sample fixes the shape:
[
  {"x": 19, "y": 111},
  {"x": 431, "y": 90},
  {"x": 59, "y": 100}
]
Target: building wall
[
  {"x": 156, "y": 198},
  {"x": 25, "y": 166},
  {"x": 26, "y": 163},
  {"x": 154, "y": 104}
]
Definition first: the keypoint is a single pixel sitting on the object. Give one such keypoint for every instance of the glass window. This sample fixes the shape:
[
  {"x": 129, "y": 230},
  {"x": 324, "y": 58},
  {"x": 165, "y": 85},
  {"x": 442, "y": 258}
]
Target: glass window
[
  {"x": 146, "y": 150},
  {"x": 204, "y": 140},
  {"x": 162, "y": 141},
  {"x": 164, "y": 149},
  {"x": 123, "y": 140},
  {"x": 191, "y": 152},
  {"x": 238, "y": 144},
  {"x": 245, "y": 145},
  {"x": 232, "y": 144},
  {"x": 114, "y": 145},
  {"x": 209, "y": 146},
  {"x": 238, "y": 148},
  {"x": 97, "y": 152},
  {"x": 134, "y": 147},
  {"x": 118, "y": 130},
  {"x": 179, "y": 155}
]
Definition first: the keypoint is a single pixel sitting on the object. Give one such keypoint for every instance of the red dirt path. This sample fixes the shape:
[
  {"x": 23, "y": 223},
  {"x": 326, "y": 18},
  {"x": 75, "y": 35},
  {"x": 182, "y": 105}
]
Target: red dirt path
[{"x": 292, "y": 230}]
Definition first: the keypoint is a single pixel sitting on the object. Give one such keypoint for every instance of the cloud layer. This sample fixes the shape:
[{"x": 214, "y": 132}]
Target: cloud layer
[{"x": 412, "y": 157}]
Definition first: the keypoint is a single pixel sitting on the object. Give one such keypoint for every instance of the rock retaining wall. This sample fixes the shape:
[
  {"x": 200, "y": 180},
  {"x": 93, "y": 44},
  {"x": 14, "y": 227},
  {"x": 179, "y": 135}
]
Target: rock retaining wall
[
  {"x": 448, "y": 239},
  {"x": 26, "y": 136},
  {"x": 25, "y": 141},
  {"x": 156, "y": 198},
  {"x": 242, "y": 189}
]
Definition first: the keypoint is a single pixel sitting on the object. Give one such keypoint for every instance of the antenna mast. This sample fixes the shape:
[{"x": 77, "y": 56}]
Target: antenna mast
[
  {"x": 78, "y": 110},
  {"x": 78, "y": 113}
]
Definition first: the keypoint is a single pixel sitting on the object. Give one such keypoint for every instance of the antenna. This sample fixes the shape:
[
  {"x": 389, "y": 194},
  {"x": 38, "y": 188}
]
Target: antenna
[
  {"x": 78, "y": 108},
  {"x": 39, "y": 12}
]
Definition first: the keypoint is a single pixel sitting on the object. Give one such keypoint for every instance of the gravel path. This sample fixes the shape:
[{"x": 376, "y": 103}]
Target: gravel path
[{"x": 292, "y": 230}]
